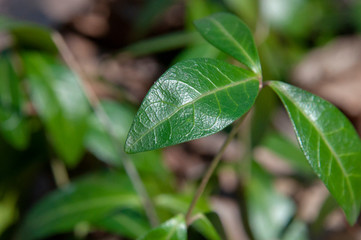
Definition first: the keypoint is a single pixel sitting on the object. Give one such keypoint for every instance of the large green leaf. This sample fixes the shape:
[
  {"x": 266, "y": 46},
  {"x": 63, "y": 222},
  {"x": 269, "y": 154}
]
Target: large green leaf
[
  {"x": 329, "y": 142},
  {"x": 228, "y": 33},
  {"x": 85, "y": 200},
  {"x": 13, "y": 124},
  {"x": 173, "y": 229},
  {"x": 193, "y": 99},
  {"x": 59, "y": 101}
]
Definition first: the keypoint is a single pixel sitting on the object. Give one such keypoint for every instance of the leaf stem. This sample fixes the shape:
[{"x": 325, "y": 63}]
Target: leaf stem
[
  {"x": 60, "y": 173},
  {"x": 94, "y": 101},
  {"x": 212, "y": 167}
]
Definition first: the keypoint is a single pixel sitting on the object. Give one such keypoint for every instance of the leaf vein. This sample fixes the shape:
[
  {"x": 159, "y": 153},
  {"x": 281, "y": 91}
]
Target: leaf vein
[{"x": 192, "y": 102}]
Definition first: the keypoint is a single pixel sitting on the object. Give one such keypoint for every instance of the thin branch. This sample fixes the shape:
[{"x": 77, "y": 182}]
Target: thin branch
[
  {"x": 211, "y": 169},
  {"x": 103, "y": 117}
]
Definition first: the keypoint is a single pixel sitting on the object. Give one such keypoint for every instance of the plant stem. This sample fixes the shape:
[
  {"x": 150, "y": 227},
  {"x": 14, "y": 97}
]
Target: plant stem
[
  {"x": 58, "y": 168},
  {"x": 211, "y": 169},
  {"x": 104, "y": 119}
]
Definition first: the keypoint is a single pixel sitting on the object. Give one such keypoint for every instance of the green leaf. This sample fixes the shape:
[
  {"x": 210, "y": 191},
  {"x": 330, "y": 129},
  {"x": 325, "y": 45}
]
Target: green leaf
[
  {"x": 127, "y": 222},
  {"x": 228, "y": 33},
  {"x": 269, "y": 212},
  {"x": 148, "y": 15},
  {"x": 287, "y": 150},
  {"x": 98, "y": 138},
  {"x": 28, "y": 35},
  {"x": 85, "y": 200},
  {"x": 193, "y": 99},
  {"x": 180, "y": 203},
  {"x": 297, "y": 230},
  {"x": 13, "y": 124},
  {"x": 59, "y": 101},
  {"x": 173, "y": 229},
  {"x": 99, "y": 141},
  {"x": 8, "y": 210},
  {"x": 329, "y": 142},
  {"x": 205, "y": 227},
  {"x": 163, "y": 43}
]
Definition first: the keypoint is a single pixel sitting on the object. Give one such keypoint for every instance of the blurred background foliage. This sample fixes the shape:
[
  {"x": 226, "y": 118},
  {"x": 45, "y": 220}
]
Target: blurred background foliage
[{"x": 64, "y": 116}]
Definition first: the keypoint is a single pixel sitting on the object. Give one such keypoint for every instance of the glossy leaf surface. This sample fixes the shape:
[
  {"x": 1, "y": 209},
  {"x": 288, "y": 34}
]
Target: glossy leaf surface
[
  {"x": 329, "y": 142},
  {"x": 173, "y": 229},
  {"x": 59, "y": 101},
  {"x": 85, "y": 200},
  {"x": 13, "y": 125},
  {"x": 229, "y": 34},
  {"x": 193, "y": 99}
]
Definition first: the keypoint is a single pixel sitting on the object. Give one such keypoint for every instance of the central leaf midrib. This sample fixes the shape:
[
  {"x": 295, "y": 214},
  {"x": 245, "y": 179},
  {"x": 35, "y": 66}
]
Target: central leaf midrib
[
  {"x": 338, "y": 160},
  {"x": 192, "y": 102},
  {"x": 230, "y": 37}
]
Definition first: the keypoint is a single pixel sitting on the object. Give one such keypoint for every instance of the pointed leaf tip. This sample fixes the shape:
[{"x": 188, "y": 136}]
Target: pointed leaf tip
[
  {"x": 329, "y": 142},
  {"x": 193, "y": 99},
  {"x": 229, "y": 34}
]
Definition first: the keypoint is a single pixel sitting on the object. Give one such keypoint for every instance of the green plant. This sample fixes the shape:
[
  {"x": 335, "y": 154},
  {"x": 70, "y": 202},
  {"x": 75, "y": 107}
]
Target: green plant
[
  {"x": 199, "y": 97},
  {"x": 51, "y": 123}
]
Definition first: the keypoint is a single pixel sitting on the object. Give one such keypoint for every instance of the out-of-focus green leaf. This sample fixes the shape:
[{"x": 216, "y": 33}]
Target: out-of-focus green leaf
[
  {"x": 229, "y": 34},
  {"x": 85, "y": 200},
  {"x": 329, "y": 142},
  {"x": 8, "y": 211},
  {"x": 173, "y": 229},
  {"x": 197, "y": 9},
  {"x": 296, "y": 231},
  {"x": 180, "y": 203},
  {"x": 59, "y": 101},
  {"x": 148, "y": 15},
  {"x": 288, "y": 16},
  {"x": 101, "y": 139},
  {"x": 28, "y": 35},
  {"x": 205, "y": 228},
  {"x": 13, "y": 124},
  {"x": 268, "y": 211},
  {"x": 247, "y": 9},
  {"x": 162, "y": 43},
  {"x": 287, "y": 150},
  {"x": 200, "y": 50},
  {"x": 262, "y": 114},
  {"x": 328, "y": 206},
  {"x": 355, "y": 14},
  {"x": 193, "y": 99},
  {"x": 126, "y": 223}
]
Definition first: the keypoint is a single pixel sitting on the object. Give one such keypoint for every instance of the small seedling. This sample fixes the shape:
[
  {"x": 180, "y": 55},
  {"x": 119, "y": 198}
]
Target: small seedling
[{"x": 199, "y": 97}]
